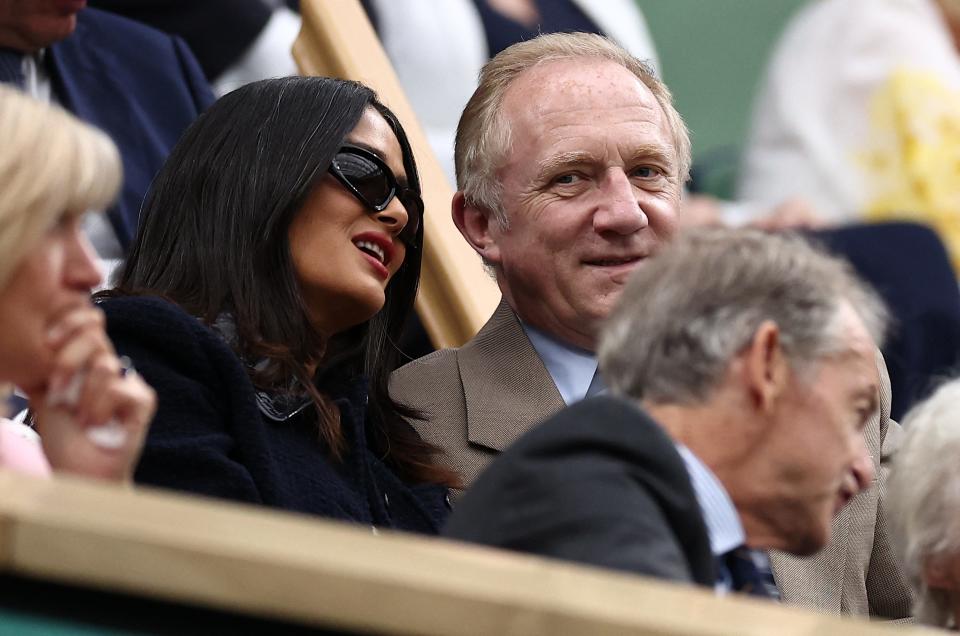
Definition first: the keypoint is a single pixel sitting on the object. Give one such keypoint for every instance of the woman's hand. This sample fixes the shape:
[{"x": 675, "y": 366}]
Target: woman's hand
[{"x": 93, "y": 415}]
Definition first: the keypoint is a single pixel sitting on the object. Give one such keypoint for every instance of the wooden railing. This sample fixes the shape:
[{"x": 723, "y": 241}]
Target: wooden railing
[
  {"x": 258, "y": 564},
  {"x": 456, "y": 295}
]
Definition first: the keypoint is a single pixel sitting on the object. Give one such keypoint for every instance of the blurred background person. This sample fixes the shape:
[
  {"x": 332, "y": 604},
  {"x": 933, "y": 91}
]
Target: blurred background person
[
  {"x": 235, "y": 41},
  {"x": 277, "y": 259},
  {"x": 140, "y": 86},
  {"x": 90, "y": 411},
  {"x": 923, "y": 494},
  {"x": 859, "y": 113}
]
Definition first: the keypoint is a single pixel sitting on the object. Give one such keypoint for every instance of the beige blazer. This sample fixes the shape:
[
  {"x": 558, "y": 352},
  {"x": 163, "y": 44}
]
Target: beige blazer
[{"x": 479, "y": 398}]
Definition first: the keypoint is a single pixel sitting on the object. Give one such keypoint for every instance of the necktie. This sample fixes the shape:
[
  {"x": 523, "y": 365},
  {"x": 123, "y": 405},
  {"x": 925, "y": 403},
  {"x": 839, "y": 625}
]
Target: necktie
[
  {"x": 750, "y": 572},
  {"x": 11, "y": 67},
  {"x": 597, "y": 385}
]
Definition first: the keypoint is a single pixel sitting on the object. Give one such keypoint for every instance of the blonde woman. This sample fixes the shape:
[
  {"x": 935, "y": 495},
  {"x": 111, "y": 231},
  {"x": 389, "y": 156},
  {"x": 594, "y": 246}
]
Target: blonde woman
[{"x": 91, "y": 411}]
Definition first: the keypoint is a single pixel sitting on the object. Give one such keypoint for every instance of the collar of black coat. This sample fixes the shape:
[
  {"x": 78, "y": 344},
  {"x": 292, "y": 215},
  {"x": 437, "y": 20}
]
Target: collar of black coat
[{"x": 280, "y": 404}]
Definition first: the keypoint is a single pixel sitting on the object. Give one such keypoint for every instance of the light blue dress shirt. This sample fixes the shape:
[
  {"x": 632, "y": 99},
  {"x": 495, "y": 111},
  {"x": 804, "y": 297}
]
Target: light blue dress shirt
[{"x": 574, "y": 371}]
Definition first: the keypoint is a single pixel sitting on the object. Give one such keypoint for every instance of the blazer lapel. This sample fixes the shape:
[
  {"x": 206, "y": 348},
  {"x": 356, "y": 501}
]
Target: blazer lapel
[{"x": 507, "y": 388}]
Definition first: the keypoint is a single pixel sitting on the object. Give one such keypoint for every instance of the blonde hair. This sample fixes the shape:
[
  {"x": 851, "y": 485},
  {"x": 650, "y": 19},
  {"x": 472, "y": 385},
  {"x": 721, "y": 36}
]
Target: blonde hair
[
  {"x": 52, "y": 165},
  {"x": 483, "y": 134}
]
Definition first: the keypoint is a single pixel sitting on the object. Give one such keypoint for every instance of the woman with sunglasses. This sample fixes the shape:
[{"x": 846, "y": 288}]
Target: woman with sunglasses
[{"x": 276, "y": 262}]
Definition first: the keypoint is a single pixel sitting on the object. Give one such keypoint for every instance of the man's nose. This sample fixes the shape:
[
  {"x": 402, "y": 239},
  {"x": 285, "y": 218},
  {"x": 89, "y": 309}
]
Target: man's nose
[{"x": 618, "y": 212}]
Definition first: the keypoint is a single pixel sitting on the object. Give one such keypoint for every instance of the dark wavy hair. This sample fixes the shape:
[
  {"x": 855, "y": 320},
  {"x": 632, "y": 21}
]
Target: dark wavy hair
[{"x": 213, "y": 239}]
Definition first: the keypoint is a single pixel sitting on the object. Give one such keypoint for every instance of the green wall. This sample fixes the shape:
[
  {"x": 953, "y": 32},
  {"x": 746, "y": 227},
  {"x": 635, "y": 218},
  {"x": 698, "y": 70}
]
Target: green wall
[{"x": 712, "y": 53}]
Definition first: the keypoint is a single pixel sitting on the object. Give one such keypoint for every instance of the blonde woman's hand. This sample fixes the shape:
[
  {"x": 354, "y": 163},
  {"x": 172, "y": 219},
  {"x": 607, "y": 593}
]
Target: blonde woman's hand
[{"x": 93, "y": 415}]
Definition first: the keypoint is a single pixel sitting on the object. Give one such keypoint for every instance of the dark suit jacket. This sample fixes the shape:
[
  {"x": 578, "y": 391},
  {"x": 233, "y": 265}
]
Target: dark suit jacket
[
  {"x": 217, "y": 31},
  {"x": 599, "y": 483},
  {"x": 140, "y": 86}
]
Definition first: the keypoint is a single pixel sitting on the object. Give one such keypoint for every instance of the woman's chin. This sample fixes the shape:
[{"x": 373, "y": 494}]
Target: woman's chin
[
  {"x": 362, "y": 315},
  {"x": 349, "y": 313}
]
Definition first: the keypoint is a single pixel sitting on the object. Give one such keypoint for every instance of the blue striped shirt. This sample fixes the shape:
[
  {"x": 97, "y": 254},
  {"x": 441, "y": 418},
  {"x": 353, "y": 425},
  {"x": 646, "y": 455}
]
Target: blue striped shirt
[{"x": 719, "y": 514}]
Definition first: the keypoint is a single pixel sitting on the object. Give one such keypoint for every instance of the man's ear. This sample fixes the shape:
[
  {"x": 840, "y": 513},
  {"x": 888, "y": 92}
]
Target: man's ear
[
  {"x": 765, "y": 366},
  {"x": 476, "y": 224}
]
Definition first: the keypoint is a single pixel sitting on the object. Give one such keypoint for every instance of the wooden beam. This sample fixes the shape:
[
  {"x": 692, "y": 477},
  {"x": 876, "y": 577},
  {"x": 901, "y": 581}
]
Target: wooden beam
[
  {"x": 456, "y": 295},
  {"x": 254, "y": 561}
]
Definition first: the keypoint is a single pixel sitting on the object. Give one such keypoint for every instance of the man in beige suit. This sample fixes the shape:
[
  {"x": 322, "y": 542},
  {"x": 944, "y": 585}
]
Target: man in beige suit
[{"x": 570, "y": 163}]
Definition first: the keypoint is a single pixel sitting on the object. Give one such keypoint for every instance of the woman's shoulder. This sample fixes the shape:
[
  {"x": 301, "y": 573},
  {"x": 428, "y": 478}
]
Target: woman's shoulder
[
  {"x": 156, "y": 328},
  {"x": 153, "y": 318},
  {"x": 144, "y": 310}
]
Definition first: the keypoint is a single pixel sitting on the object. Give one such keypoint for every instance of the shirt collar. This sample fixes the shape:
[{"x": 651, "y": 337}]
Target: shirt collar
[
  {"x": 719, "y": 514},
  {"x": 36, "y": 79},
  {"x": 572, "y": 369}
]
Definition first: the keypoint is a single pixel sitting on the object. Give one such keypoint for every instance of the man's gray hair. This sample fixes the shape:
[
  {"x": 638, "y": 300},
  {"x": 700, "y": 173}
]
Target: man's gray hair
[
  {"x": 923, "y": 496},
  {"x": 687, "y": 312},
  {"x": 483, "y": 134}
]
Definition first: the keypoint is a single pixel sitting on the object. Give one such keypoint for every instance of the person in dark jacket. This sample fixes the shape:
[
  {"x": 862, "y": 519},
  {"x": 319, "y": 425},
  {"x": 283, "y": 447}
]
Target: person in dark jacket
[
  {"x": 140, "y": 86},
  {"x": 277, "y": 259}
]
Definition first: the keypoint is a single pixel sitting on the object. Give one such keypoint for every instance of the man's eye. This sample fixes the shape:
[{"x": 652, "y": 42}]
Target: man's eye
[
  {"x": 566, "y": 179},
  {"x": 645, "y": 172}
]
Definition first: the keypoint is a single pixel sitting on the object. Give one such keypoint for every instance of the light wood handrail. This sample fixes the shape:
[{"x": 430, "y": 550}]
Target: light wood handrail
[
  {"x": 255, "y": 561},
  {"x": 456, "y": 295}
]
